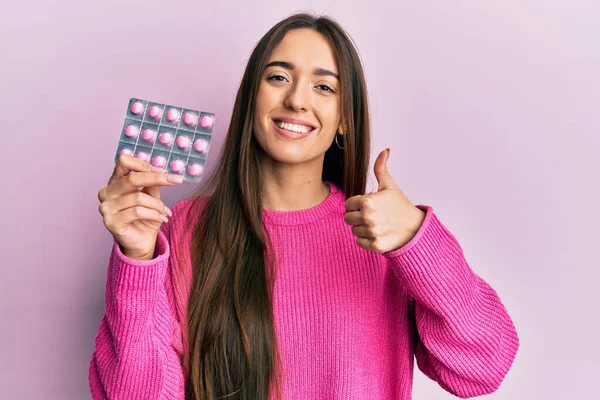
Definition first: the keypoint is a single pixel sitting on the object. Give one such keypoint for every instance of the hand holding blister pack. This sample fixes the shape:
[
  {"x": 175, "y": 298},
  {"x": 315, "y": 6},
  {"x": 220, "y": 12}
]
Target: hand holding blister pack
[{"x": 173, "y": 138}]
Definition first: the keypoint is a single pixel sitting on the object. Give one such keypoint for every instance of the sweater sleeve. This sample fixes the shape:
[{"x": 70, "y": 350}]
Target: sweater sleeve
[
  {"x": 465, "y": 339},
  {"x": 138, "y": 349}
]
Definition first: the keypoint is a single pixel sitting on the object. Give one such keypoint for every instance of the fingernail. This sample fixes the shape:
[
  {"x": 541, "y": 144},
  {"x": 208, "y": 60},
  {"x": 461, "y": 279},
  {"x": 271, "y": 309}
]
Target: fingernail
[
  {"x": 157, "y": 169},
  {"x": 165, "y": 219},
  {"x": 175, "y": 178},
  {"x": 168, "y": 211}
]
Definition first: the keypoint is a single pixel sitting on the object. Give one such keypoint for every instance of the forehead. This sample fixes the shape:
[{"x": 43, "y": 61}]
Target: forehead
[{"x": 305, "y": 48}]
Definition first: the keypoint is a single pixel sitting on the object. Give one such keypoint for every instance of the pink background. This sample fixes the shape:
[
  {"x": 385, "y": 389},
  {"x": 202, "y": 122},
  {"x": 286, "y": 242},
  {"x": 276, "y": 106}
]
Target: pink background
[{"x": 491, "y": 110}]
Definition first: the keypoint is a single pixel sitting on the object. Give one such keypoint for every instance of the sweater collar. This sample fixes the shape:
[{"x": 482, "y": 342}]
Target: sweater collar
[{"x": 334, "y": 201}]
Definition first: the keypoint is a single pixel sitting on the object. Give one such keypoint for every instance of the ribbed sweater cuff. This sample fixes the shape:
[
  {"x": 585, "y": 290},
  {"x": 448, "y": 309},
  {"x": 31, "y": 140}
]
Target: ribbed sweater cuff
[
  {"x": 131, "y": 274},
  {"x": 432, "y": 262}
]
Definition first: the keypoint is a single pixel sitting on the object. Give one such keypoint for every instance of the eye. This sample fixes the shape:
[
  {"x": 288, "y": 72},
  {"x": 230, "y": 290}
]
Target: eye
[
  {"x": 277, "y": 78},
  {"x": 325, "y": 88}
]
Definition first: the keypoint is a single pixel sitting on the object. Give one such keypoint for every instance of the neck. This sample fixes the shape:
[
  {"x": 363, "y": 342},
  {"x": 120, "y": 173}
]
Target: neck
[{"x": 288, "y": 187}]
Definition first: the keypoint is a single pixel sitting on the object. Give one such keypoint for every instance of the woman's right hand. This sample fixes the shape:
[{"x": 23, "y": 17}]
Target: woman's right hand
[{"x": 131, "y": 215}]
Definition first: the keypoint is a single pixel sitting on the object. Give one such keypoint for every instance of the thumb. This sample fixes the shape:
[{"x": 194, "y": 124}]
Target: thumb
[{"x": 384, "y": 178}]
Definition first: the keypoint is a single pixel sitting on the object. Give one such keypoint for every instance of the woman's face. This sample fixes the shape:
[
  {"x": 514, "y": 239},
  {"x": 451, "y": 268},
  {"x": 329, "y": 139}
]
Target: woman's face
[{"x": 297, "y": 109}]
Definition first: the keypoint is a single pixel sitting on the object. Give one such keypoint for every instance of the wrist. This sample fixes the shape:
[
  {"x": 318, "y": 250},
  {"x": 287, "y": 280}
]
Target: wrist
[
  {"x": 137, "y": 255},
  {"x": 419, "y": 218}
]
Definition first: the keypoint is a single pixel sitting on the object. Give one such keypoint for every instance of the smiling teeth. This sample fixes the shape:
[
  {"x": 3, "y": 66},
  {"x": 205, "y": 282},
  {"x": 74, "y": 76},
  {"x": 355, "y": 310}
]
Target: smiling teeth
[{"x": 293, "y": 127}]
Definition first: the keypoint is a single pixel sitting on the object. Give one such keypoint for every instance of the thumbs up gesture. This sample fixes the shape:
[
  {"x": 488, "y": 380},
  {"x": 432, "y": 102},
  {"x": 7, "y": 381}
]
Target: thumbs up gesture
[{"x": 385, "y": 220}]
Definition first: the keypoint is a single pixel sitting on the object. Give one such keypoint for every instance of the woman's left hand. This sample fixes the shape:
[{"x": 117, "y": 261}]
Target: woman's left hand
[{"x": 385, "y": 220}]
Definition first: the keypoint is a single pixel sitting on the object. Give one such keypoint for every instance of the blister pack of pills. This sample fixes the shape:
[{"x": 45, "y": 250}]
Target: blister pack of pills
[{"x": 174, "y": 138}]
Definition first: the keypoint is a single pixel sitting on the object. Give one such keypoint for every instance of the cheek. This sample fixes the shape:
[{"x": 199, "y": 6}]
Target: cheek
[
  {"x": 267, "y": 97},
  {"x": 260, "y": 102},
  {"x": 266, "y": 100},
  {"x": 330, "y": 114},
  {"x": 260, "y": 110}
]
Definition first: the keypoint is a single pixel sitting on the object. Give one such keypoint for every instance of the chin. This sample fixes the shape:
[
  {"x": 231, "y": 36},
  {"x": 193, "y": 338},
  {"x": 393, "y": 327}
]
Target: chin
[{"x": 288, "y": 154}]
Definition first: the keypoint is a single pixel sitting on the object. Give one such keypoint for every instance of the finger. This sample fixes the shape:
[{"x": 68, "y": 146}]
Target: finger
[
  {"x": 135, "y": 180},
  {"x": 153, "y": 191},
  {"x": 362, "y": 231},
  {"x": 365, "y": 243},
  {"x": 139, "y": 198},
  {"x": 384, "y": 178},
  {"x": 354, "y": 218},
  {"x": 120, "y": 220},
  {"x": 354, "y": 203},
  {"x": 110, "y": 208},
  {"x": 127, "y": 163}
]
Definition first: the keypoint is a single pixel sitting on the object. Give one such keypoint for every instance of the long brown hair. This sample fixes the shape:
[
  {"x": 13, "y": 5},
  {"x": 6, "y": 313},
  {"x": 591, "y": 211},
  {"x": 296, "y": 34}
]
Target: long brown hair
[{"x": 231, "y": 336}]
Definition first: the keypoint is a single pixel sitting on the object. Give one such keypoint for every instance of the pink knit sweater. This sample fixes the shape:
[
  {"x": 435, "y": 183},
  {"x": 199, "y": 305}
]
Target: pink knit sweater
[{"x": 349, "y": 322}]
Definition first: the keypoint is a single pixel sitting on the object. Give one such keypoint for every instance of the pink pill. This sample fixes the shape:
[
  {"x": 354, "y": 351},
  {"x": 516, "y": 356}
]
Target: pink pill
[
  {"x": 190, "y": 119},
  {"x": 149, "y": 135},
  {"x": 166, "y": 138},
  {"x": 159, "y": 161},
  {"x": 207, "y": 121},
  {"x": 195, "y": 169},
  {"x": 177, "y": 166},
  {"x": 201, "y": 145},
  {"x": 155, "y": 112},
  {"x": 132, "y": 131},
  {"x": 126, "y": 151},
  {"x": 137, "y": 108},
  {"x": 143, "y": 156},
  {"x": 173, "y": 114},
  {"x": 183, "y": 142}
]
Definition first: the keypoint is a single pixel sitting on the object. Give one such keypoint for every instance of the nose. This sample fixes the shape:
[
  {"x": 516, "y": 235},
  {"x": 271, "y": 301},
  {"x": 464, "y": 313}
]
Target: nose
[{"x": 298, "y": 97}]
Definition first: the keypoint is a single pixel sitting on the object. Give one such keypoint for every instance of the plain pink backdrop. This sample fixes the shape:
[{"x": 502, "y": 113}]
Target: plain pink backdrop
[{"x": 491, "y": 109}]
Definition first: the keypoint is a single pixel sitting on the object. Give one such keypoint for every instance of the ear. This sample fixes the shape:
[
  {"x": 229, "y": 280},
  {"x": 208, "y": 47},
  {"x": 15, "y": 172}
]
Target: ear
[{"x": 342, "y": 128}]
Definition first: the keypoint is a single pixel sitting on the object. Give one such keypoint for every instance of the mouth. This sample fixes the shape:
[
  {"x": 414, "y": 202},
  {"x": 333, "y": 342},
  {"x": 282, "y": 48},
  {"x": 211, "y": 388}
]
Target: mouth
[{"x": 294, "y": 126}]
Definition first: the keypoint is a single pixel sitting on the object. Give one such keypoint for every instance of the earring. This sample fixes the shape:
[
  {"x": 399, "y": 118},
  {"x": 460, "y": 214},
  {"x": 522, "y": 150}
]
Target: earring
[{"x": 336, "y": 141}]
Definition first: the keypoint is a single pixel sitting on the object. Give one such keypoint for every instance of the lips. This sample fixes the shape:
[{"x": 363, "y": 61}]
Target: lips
[
  {"x": 290, "y": 134},
  {"x": 296, "y": 122}
]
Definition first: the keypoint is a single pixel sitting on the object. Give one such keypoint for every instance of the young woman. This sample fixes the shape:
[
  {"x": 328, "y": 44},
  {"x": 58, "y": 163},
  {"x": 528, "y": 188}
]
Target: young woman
[{"x": 281, "y": 278}]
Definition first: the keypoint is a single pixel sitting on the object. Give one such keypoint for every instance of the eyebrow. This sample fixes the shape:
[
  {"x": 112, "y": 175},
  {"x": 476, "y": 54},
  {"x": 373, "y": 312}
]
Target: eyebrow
[{"x": 290, "y": 66}]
